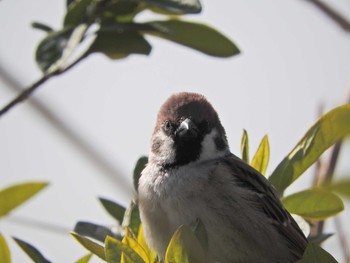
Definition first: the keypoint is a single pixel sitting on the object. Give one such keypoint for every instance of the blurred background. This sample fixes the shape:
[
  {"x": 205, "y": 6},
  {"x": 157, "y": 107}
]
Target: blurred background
[{"x": 84, "y": 130}]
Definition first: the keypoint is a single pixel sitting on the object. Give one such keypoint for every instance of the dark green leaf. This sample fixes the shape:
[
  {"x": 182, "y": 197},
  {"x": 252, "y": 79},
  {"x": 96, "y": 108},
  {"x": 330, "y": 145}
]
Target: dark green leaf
[
  {"x": 117, "y": 45},
  {"x": 78, "y": 12},
  {"x": 319, "y": 238},
  {"x": 31, "y": 251},
  {"x": 94, "y": 231},
  {"x": 15, "y": 195},
  {"x": 5, "y": 255},
  {"x": 184, "y": 247},
  {"x": 132, "y": 218},
  {"x": 177, "y": 6},
  {"x": 93, "y": 247},
  {"x": 245, "y": 147},
  {"x": 194, "y": 35},
  {"x": 51, "y": 48},
  {"x": 330, "y": 128},
  {"x": 261, "y": 158},
  {"x": 140, "y": 165},
  {"x": 316, "y": 254},
  {"x": 84, "y": 259},
  {"x": 115, "y": 210},
  {"x": 42, "y": 27},
  {"x": 315, "y": 204},
  {"x": 121, "y": 11}
]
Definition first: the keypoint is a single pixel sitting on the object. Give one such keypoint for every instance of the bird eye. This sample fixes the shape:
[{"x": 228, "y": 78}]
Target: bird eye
[{"x": 167, "y": 125}]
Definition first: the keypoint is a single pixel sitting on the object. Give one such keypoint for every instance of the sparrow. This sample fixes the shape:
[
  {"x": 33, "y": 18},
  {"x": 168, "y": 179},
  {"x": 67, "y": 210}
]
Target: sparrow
[{"x": 192, "y": 175}]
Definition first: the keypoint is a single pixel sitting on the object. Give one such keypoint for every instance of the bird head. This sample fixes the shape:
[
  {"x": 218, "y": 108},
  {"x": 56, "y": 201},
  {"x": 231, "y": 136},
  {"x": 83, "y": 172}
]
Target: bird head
[{"x": 188, "y": 129}]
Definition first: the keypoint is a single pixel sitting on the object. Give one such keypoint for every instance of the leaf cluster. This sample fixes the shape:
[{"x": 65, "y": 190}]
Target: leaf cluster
[{"x": 110, "y": 27}]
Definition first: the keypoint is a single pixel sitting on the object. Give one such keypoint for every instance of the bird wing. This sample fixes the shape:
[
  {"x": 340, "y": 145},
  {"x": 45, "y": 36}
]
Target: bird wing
[{"x": 248, "y": 177}]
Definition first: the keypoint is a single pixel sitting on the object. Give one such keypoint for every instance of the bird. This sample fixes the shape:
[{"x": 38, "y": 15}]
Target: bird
[{"x": 192, "y": 175}]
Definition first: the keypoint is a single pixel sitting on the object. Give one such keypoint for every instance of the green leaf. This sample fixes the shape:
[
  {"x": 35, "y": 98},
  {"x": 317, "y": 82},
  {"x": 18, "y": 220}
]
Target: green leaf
[
  {"x": 316, "y": 254},
  {"x": 84, "y": 259},
  {"x": 31, "y": 251},
  {"x": 140, "y": 165},
  {"x": 4, "y": 251},
  {"x": 15, "y": 195},
  {"x": 194, "y": 35},
  {"x": 51, "y": 48},
  {"x": 329, "y": 129},
  {"x": 117, "y": 211},
  {"x": 93, "y": 247},
  {"x": 132, "y": 218},
  {"x": 245, "y": 147},
  {"x": 315, "y": 204},
  {"x": 184, "y": 247},
  {"x": 78, "y": 12},
  {"x": 120, "y": 44},
  {"x": 341, "y": 187},
  {"x": 94, "y": 231},
  {"x": 177, "y": 6},
  {"x": 262, "y": 156}
]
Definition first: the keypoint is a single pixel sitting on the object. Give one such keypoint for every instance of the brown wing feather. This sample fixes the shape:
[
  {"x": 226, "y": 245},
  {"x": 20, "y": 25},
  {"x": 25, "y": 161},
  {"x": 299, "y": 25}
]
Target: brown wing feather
[{"x": 271, "y": 205}]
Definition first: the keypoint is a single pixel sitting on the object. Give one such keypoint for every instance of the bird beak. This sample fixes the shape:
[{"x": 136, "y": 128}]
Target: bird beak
[{"x": 186, "y": 130}]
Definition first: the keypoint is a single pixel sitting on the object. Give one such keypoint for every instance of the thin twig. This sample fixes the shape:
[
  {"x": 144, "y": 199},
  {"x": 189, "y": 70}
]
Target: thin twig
[{"x": 334, "y": 15}]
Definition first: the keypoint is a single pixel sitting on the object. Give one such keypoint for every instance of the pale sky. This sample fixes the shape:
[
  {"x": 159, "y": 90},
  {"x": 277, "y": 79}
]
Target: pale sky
[{"x": 293, "y": 60}]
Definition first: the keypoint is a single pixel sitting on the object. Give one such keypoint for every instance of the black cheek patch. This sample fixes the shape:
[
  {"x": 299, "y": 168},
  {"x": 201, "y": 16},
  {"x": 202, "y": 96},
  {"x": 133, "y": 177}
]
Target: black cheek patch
[{"x": 219, "y": 143}]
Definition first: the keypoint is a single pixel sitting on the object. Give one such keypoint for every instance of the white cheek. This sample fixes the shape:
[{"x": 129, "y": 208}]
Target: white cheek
[
  {"x": 209, "y": 149},
  {"x": 166, "y": 153}
]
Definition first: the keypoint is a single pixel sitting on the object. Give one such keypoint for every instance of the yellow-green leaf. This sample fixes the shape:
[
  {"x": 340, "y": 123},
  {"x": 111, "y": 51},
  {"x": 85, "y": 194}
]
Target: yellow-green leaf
[
  {"x": 5, "y": 256},
  {"x": 113, "y": 250},
  {"x": 329, "y": 129},
  {"x": 130, "y": 241},
  {"x": 141, "y": 240},
  {"x": 262, "y": 156},
  {"x": 245, "y": 147},
  {"x": 118, "y": 251},
  {"x": 13, "y": 196},
  {"x": 315, "y": 254},
  {"x": 315, "y": 204},
  {"x": 84, "y": 259},
  {"x": 184, "y": 247},
  {"x": 194, "y": 35},
  {"x": 93, "y": 247},
  {"x": 342, "y": 187}
]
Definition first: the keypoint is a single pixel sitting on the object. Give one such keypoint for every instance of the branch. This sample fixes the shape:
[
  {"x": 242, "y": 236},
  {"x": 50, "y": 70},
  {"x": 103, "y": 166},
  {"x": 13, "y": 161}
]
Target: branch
[
  {"x": 23, "y": 95},
  {"x": 332, "y": 14}
]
